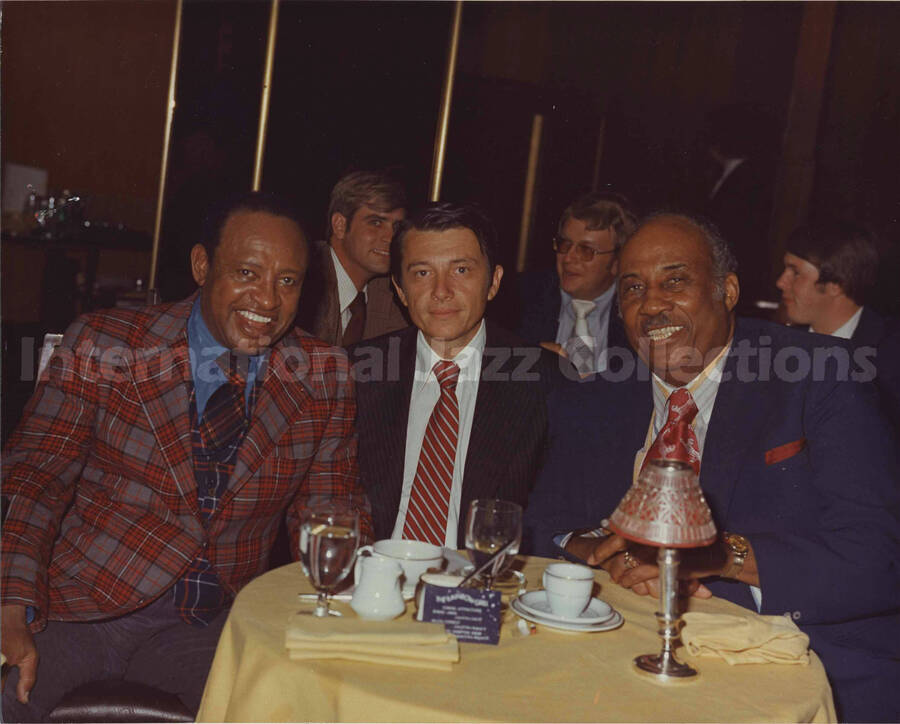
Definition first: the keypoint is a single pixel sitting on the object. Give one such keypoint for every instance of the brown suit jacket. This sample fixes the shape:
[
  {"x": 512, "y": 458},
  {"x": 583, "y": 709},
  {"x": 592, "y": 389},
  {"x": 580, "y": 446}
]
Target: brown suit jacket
[{"x": 319, "y": 311}]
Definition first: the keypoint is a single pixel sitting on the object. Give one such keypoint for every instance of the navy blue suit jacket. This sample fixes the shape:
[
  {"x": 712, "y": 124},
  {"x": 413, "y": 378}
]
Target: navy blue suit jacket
[
  {"x": 823, "y": 521},
  {"x": 879, "y": 339}
]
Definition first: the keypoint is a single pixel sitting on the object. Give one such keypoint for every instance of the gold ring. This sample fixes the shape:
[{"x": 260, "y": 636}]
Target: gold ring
[{"x": 629, "y": 560}]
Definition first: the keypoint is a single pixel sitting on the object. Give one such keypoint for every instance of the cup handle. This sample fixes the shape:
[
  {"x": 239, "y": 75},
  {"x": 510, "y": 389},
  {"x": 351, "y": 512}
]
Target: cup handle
[
  {"x": 359, "y": 554},
  {"x": 544, "y": 580}
]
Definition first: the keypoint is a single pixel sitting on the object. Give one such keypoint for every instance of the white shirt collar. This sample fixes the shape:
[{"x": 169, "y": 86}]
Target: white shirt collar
[
  {"x": 846, "y": 330},
  {"x": 347, "y": 290},
  {"x": 468, "y": 359},
  {"x": 703, "y": 389},
  {"x": 602, "y": 302}
]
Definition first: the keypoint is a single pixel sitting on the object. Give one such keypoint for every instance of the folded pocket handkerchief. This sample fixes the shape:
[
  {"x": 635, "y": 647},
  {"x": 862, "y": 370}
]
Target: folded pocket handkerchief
[
  {"x": 745, "y": 640},
  {"x": 396, "y": 643}
]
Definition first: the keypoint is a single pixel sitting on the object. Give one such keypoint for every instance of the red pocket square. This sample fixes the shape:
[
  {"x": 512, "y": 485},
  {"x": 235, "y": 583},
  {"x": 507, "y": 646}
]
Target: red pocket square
[{"x": 783, "y": 452}]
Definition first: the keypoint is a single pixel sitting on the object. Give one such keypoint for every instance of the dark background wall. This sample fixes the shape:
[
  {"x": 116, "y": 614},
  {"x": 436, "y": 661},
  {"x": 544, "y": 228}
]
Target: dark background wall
[
  {"x": 358, "y": 84},
  {"x": 83, "y": 96},
  {"x": 623, "y": 89}
]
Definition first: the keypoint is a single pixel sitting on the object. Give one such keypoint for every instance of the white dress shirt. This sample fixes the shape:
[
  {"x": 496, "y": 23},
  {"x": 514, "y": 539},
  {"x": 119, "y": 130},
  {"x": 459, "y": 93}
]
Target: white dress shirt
[
  {"x": 346, "y": 289},
  {"x": 597, "y": 320},
  {"x": 846, "y": 330},
  {"x": 425, "y": 393}
]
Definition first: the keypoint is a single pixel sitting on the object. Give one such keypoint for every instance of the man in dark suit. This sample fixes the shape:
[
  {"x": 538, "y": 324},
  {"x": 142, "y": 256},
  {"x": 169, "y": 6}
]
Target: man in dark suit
[
  {"x": 347, "y": 295},
  {"x": 572, "y": 309},
  {"x": 794, "y": 460},
  {"x": 830, "y": 269},
  {"x": 453, "y": 408},
  {"x": 155, "y": 462}
]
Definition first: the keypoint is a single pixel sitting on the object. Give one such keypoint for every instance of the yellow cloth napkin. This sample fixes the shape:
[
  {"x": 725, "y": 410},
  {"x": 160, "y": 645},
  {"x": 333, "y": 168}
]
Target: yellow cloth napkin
[
  {"x": 745, "y": 640},
  {"x": 396, "y": 643}
]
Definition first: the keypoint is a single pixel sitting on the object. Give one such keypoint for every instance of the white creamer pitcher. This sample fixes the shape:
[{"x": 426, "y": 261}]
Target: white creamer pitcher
[{"x": 377, "y": 596}]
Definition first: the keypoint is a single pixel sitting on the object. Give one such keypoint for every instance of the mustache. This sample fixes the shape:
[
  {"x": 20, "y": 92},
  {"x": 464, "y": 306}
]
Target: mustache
[{"x": 659, "y": 320}]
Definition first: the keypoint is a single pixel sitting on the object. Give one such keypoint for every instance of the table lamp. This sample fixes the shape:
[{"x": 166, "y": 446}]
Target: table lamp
[{"x": 665, "y": 508}]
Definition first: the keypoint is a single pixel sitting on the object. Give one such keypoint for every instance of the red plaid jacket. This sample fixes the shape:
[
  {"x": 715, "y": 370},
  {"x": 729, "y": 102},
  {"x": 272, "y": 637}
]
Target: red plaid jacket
[{"x": 102, "y": 514}]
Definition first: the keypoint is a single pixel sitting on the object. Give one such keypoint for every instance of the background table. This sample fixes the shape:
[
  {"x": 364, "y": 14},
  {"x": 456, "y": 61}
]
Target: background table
[{"x": 548, "y": 676}]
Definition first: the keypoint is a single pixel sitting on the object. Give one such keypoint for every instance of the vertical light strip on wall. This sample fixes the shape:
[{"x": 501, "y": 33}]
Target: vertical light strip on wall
[
  {"x": 440, "y": 139},
  {"x": 534, "y": 153},
  {"x": 266, "y": 93},
  {"x": 164, "y": 167}
]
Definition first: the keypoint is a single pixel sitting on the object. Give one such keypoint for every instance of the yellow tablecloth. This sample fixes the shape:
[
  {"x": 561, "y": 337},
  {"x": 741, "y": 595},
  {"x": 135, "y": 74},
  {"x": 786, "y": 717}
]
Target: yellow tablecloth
[{"x": 549, "y": 676}]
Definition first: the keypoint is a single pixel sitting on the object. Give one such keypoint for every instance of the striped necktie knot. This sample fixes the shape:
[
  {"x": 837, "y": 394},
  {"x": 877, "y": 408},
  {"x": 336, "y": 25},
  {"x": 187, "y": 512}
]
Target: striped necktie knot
[{"x": 447, "y": 374}]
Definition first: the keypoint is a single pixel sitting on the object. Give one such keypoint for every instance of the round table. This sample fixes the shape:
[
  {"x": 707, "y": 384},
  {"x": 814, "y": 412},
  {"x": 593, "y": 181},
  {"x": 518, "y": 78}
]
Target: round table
[{"x": 547, "y": 676}]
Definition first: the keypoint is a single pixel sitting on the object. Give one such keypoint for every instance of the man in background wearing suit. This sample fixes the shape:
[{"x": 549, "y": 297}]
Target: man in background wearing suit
[
  {"x": 572, "y": 309},
  {"x": 453, "y": 408},
  {"x": 155, "y": 462},
  {"x": 797, "y": 465},
  {"x": 829, "y": 271},
  {"x": 347, "y": 296}
]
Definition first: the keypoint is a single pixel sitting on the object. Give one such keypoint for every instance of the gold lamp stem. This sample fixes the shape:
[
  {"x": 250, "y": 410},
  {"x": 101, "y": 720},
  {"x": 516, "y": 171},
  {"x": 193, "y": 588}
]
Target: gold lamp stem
[
  {"x": 266, "y": 93},
  {"x": 440, "y": 141},
  {"x": 164, "y": 166},
  {"x": 534, "y": 153}
]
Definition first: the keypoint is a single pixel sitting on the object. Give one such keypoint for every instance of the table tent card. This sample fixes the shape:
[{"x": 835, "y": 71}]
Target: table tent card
[{"x": 469, "y": 614}]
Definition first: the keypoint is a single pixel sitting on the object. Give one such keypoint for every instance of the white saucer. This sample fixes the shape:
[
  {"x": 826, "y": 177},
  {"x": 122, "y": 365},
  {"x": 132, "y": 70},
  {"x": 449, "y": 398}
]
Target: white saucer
[
  {"x": 536, "y": 603},
  {"x": 613, "y": 622}
]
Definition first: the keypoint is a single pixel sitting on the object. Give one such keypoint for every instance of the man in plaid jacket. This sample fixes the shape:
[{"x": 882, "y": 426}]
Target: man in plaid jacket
[{"x": 124, "y": 524}]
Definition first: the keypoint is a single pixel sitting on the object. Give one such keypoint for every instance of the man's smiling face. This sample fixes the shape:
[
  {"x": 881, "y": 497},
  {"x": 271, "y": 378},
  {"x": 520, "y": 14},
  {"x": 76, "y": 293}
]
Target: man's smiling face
[
  {"x": 363, "y": 242},
  {"x": 674, "y": 314},
  {"x": 249, "y": 291}
]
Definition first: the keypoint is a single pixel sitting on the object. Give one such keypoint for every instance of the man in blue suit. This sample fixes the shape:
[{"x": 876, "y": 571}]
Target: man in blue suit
[
  {"x": 830, "y": 269},
  {"x": 795, "y": 462},
  {"x": 571, "y": 309}
]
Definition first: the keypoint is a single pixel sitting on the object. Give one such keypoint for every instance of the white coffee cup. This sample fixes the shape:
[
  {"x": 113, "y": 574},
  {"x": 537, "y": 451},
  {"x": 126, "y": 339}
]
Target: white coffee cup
[
  {"x": 444, "y": 580},
  {"x": 569, "y": 587},
  {"x": 415, "y": 557}
]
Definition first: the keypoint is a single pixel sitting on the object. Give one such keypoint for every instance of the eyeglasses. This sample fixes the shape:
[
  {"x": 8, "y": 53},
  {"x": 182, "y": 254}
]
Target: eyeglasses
[{"x": 583, "y": 252}]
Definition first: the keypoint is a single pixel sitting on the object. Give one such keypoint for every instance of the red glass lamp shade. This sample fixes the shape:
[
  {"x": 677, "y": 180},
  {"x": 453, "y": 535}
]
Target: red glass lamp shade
[{"x": 665, "y": 507}]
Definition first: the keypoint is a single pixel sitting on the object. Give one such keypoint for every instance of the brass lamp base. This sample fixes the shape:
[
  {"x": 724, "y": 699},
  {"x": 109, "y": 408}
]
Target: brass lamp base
[{"x": 664, "y": 667}]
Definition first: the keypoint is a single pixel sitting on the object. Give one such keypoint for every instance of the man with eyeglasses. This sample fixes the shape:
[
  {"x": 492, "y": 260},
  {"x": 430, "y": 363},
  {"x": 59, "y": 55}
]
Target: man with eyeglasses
[{"x": 571, "y": 310}]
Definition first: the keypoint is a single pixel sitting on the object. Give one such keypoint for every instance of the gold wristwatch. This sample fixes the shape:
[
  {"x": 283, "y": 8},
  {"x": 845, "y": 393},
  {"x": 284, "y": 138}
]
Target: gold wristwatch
[{"x": 738, "y": 548}]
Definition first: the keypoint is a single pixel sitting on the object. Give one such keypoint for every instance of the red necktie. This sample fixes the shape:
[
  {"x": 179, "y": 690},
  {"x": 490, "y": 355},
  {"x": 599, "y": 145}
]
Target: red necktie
[
  {"x": 429, "y": 501},
  {"x": 677, "y": 440}
]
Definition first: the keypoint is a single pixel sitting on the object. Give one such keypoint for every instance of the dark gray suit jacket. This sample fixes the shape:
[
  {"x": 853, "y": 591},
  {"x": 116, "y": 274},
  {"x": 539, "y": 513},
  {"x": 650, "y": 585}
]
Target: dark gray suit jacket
[{"x": 508, "y": 435}]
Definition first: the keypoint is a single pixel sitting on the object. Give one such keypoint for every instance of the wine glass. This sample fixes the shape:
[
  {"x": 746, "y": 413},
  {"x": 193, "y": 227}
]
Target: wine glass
[
  {"x": 329, "y": 537},
  {"x": 490, "y": 525}
]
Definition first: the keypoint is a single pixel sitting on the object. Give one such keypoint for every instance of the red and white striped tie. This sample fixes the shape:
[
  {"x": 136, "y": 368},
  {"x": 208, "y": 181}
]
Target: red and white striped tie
[{"x": 429, "y": 501}]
